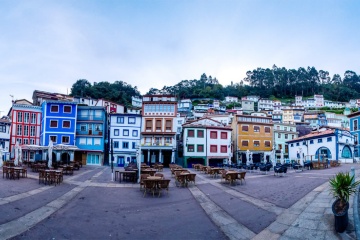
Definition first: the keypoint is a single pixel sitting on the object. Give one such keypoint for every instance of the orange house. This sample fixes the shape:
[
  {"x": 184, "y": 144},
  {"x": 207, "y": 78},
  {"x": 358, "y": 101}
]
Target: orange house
[{"x": 253, "y": 133}]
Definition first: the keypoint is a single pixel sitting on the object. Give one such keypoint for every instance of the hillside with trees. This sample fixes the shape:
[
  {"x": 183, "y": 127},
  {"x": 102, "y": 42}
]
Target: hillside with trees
[{"x": 274, "y": 83}]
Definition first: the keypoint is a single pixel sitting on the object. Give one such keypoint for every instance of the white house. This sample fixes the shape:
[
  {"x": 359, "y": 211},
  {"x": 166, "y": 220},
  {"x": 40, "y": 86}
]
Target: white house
[
  {"x": 265, "y": 104},
  {"x": 110, "y": 107},
  {"x": 206, "y": 141},
  {"x": 324, "y": 144},
  {"x": 125, "y": 131},
  {"x": 229, "y": 99},
  {"x": 136, "y": 101},
  {"x": 319, "y": 100},
  {"x": 5, "y": 124}
]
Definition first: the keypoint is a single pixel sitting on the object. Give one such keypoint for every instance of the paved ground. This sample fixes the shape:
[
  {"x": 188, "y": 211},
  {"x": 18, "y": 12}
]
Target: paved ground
[{"x": 88, "y": 205}]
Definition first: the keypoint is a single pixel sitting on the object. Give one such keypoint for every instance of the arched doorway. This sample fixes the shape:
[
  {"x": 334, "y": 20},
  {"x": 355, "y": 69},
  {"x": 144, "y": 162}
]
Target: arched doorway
[
  {"x": 346, "y": 152},
  {"x": 323, "y": 154}
]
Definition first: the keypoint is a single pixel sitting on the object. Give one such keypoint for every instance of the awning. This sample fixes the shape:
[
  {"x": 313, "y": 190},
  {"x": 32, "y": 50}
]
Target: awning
[{"x": 33, "y": 147}]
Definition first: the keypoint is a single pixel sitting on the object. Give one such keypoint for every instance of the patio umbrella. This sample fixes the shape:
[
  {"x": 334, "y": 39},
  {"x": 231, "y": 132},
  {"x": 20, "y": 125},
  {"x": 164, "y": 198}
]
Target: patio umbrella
[
  {"x": 50, "y": 149},
  {"x": 16, "y": 151},
  {"x": 247, "y": 156},
  {"x": 273, "y": 158},
  {"x": 20, "y": 155},
  {"x": 282, "y": 157},
  {"x": 1, "y": 156}
]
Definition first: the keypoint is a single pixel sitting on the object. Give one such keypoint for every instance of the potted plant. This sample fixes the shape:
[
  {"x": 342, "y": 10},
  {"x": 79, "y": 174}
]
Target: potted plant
[{"x": 342, "y": 186}]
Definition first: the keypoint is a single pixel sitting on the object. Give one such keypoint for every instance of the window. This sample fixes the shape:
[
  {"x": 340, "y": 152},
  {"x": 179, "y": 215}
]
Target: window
[
  {"x": 65, "y": 139},
  {"x": 116, "y": 144},
  {"x": 148, "y": 125},
  {"x": 292, "y": 145},
  {"x": 120, "y": 120},
  {"x": 297, "y": 144},
  {"x": 319, "y": 140},
  {"x": 267, "y": 143},
  {"x": 267, "y": 129},
  {"x": 168, "y": 125},
  {"x": 223, "y": 149},
  {"x": 97, "y": 127},
  {"x": 82, "y": 141},
  {"x": 116, "y": 132},
  {"x": 33, "y": 118},
  {"x": 67, "y": 109},
  {"x": 213, "y": 148},
  {"x": 256, "y": 143},
  {"x": 66, "y": 124},
  {"x": 292, "y": 136},
  {"x": 311, "y": 141},
  {"x": 158, "y": 125},
  {"x": 278, "y": 127},
  {"x": 125, "y": 132},
  {"x": 190, "y": 147},
  {"x": 131, "y": 120},
  {"x": 200, "y": 148},
  {"x": 54, "y": 108},
  {"x": 200, "y": 133},
  {"x": 19, "y": 140},
  {"x": 223, "y": 135},
  {"x": 83, "y": 127},
  {"x": 125, "y": 145},
  {"x": 157, "y": 140},
  {"x": 213, "y": 134},
  {"x": 279, "y": 135},
  {"x": 135, "y": 133},
  {"x": 329, "y": 139},
  {"x": 19, "y": 130},
  {"x": 286, "y": 136},
  {"x": 285, "y": 128},
  {"x": 26, "y": 130},
  {"x": 19, "y": 117},
  {"x": 244, "y": 128},
  {"x": 26, "y": 117},
  {"x": 168, "y": 140},
  {"x": 355, "y": 125},
  {"x": 133, "y": 145},
  {"x": 244, "y": 143},
  {"x": 26, "y": 141},
  {"x": 2, "y": 128},
  {"x": 32, "y": 141},
  {"x": 256, "y": 129},
  {"x": 97, "y": 141},
  {"x": 53, "y": 123},
  {"x": 191, "y": 133},
  {"x": 179, "y": 121},
  {"x": 53, "y": 139}
]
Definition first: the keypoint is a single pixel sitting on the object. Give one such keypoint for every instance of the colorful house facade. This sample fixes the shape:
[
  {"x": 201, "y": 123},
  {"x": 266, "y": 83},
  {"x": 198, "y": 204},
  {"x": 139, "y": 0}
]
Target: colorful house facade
[{"x": 90, "y": 134}]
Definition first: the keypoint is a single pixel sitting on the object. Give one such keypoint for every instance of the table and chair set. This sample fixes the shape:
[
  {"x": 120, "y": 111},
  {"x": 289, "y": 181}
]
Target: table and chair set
[
  {"x": 14, "y": 172},
  {"x": 154, "y": 184}
]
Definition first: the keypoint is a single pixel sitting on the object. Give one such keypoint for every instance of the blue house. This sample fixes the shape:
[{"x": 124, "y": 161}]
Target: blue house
[
  {"x": 90, "y": 134},
  {"x": 58, "y": 124},
  {"x": 355, "y": 130},
  {"x": 125, "y": 130}
]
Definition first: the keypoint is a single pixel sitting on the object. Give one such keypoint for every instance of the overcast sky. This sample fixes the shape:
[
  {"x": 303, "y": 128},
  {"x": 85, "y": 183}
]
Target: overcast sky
[{"x": 48, "y": 45}]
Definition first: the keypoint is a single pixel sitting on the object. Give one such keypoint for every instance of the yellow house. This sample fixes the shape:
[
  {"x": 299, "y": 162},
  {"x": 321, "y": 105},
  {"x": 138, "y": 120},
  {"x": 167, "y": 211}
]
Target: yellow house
[{"x": 253, "y": 133}]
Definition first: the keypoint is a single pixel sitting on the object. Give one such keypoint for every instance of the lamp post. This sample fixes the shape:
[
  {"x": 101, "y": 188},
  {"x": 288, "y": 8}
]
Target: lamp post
[
  {"x": 307, "y": 148},
  {"x": 138, "y": 160},
  {"x": 112, "y": 160}
]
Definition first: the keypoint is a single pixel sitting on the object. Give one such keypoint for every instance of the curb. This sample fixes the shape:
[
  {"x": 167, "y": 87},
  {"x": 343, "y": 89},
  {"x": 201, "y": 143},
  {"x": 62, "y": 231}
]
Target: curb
[{"x": 356, "y": 214}]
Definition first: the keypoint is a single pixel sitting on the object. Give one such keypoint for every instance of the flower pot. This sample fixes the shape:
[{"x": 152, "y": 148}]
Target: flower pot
[{"x": 341, "y": 217}]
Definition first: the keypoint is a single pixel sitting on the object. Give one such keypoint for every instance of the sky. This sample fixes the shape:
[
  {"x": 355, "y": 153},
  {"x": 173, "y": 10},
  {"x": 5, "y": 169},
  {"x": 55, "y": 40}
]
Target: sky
[{"x": 49, "y": 45}]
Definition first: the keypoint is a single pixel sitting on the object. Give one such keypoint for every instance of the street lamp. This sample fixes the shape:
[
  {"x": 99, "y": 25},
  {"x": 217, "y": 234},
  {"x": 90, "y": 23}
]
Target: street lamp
[
  {"x": 112, "y": 160},
  {"x": 138, "y": 159}
]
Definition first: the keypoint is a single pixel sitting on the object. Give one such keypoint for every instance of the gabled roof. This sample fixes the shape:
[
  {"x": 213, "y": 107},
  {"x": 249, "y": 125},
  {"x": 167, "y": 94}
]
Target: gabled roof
[{"x": 313, "y": 134}]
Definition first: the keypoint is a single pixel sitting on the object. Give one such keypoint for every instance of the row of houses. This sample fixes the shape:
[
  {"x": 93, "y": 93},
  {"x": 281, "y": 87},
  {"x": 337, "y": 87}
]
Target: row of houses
[{"x": 91, "y": 130}]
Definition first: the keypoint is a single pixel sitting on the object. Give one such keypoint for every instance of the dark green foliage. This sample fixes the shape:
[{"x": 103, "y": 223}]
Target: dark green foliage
[{"x": 118, "y": 92}]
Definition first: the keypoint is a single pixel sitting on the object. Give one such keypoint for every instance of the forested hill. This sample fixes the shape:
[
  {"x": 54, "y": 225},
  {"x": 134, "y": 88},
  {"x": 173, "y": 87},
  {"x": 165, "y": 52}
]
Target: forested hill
[{"x": 275, "y": 83}]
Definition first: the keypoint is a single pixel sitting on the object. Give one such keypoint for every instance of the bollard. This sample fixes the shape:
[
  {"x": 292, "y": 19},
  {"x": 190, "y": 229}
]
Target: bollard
[{"x": 352, "y": 173}]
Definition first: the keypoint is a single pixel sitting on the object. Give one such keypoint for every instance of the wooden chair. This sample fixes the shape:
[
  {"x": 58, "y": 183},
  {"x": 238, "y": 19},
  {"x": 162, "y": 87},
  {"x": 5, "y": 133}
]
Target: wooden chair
[
  {"x": 42, "y": 176},
  {"x": 142, "y": 178},
  {"x": 164, "y": 186},
  {"x": 59, "y": 176},
  {"x": 159, "y": 175},
  {"x": 179, "y": 179},
  {"x": 191, "y": 178},
  {"x": 13, "y": 174},
  {"x": 5, "y": 172},
  {"x": 23, "y": 173},
  {"x": 241, "y": 176},
  {"x": 149, "y": 186}
]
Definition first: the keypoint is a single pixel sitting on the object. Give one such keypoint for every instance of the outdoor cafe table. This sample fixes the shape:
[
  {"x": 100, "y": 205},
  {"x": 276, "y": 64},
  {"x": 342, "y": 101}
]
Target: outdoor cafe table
[
  {"x": 216, "y": 171},
  {"x": 233, "y": 175},
  {"x": 131, "y": 174},
  {"x": 148, "y": 171}
]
